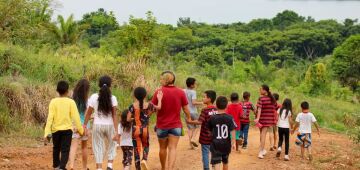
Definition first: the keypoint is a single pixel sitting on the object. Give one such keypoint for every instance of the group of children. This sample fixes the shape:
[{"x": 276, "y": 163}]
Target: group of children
[
  {"x": 224, "y": 125},
  {"x": 219, "y": 131}
]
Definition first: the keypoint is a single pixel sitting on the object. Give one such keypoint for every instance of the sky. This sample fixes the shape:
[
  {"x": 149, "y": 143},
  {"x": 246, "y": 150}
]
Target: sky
[{"x": 211, "y": 11}]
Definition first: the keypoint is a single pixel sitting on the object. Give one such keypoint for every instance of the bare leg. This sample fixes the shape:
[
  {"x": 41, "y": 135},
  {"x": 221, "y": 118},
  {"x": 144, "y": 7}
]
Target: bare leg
[
  {"x": 271, "y": 138},
  {"x": 84, "y": 153},
  {"x": 302, "y": 151},
  {"x": 72, "y": 155},
  {"x": 216, "y": 166},
  {"x": 275, "y": 136},
  {"x": 263, "y": 132},
  {"x": 173, "y": 142},
  {"x": 225, "y": 166},
  {"x": 163, "y": 152},
  {"x": 190, "y": 134}
]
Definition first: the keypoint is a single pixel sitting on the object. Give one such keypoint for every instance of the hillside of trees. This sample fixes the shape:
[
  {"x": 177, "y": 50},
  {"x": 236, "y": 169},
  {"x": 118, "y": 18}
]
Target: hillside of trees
[{"x": 296, "y": 55}]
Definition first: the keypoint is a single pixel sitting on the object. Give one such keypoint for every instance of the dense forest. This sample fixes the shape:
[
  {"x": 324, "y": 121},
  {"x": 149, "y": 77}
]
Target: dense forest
[{"x": 296, "y": 55}]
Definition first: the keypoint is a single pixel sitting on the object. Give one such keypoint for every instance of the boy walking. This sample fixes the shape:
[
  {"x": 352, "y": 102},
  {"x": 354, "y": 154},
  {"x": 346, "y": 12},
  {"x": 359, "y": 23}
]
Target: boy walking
[
  {"x": 191, "y": 97},
  {"x": 62, "y": 112},
  {"x": 210, "y": 110},
  {"x": 221, "y": 125},
  {"x": 304, "y": 121},
  {"x": 235, "y": 110},
  {"x": 247, "y": 106}
]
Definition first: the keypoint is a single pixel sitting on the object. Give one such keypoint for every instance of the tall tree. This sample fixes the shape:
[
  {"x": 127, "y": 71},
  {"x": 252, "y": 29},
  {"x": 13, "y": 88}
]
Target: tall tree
[
  {"x": 99, "y": 24},
  {"x": 346, "y": 63},
  {"x": 65, "y": 31},
  {"x": 287, "y": 18}
]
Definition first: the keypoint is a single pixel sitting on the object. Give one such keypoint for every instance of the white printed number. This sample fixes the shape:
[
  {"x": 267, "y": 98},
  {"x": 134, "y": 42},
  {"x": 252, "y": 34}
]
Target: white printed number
[{"x": 223, "y": 132}]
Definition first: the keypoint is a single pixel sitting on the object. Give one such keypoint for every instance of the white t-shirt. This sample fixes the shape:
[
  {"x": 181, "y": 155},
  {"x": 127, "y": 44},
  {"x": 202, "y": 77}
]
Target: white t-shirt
[
  {"x": 125, "y": 137},
  {"x": 305, "y": 120},
  {"x": 283, "y": 121},
  {"x": 99, "y": 118},
  {"x": 191, "y": 95}
]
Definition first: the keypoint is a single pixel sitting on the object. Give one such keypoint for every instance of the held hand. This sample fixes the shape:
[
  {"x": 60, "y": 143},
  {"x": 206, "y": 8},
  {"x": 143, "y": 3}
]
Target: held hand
[
  {"x": 233, "y": 145},
  {"x": 160, "y": 95},
  {"x": 256, "y": 120},
  {"x": 116, "y": 138}
]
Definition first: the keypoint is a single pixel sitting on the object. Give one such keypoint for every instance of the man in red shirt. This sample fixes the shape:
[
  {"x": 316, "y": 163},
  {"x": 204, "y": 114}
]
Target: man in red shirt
[
  {"x": 168, "y": 122},
  {"x": 235, "y": 110}
]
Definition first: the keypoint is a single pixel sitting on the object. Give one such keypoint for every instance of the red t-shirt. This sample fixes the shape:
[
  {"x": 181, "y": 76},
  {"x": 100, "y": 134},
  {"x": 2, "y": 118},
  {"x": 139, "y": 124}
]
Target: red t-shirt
[
  {"x": 205, "y": 133},
  {"x": 168, "y": 117},
  {"x": 235, "y": 110}
]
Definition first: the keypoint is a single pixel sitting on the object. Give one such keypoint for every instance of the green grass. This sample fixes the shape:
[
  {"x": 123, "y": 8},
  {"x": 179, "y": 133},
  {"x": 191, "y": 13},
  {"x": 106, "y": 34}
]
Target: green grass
[{"x": 70, "y": 63}]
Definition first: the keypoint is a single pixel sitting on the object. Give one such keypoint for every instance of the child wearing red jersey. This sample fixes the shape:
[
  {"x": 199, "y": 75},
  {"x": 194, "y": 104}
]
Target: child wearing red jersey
[
  {"x": 273, "y": 129},
  {"x": 247, "y": 106},
  {"x": 235, "y": 110},
  {"x": 209, "y": 98}
]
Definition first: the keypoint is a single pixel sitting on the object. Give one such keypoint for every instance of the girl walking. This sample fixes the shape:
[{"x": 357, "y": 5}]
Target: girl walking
[
  {"x": 126, "y": 143},
  {"x": 284, "y": 124},
  {"x": 139, "y": 114},
  {"x": 103, "y": 105},
  {"x": 80, "y": 96},
  {"x": 265, "y": 116}
]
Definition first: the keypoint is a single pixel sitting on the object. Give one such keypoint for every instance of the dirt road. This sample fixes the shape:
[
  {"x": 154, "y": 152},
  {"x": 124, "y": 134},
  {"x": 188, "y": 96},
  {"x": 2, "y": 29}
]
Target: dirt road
[{"x": 330, "y": 150}]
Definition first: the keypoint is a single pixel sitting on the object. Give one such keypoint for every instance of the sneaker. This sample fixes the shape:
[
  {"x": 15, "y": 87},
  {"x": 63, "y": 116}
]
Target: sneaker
[
  {"x": 108, "y": 168},
  {"x": 286, "y": 158},
  {"x": 263, "y": 152},
  {"x": 261, "y": 156},
  {"x": 144, "y": 165},
  {"x": 278, "y": 152},
  {"x": 244, "y": 147}
]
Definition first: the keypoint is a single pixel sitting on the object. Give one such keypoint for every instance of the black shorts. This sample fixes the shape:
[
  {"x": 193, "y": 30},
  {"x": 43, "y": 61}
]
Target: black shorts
[{"x": 217, "y": 157}]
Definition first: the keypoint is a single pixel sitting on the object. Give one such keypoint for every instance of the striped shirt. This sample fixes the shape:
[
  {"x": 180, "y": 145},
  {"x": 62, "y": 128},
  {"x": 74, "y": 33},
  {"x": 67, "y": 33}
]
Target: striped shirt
[
  {"x": 205, "y": 133},
  {"x": 247, "y": 107},
  {"x": 267, "y": 117}
]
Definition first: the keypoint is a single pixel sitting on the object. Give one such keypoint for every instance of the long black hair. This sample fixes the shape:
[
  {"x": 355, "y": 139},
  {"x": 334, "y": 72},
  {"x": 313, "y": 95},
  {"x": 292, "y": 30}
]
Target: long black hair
[
  {"x": 81, "y": 94},
  {"x": 287, "y": 105},
  {"x": 124, "y": 123},
  {"x": 105, "y": 104},
  {"x": 267, "y": 89},
  {"x": 140, "y": 94}
]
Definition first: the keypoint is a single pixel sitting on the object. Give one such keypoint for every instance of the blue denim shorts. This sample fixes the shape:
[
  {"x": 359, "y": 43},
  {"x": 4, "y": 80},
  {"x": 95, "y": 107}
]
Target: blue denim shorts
[{"x": 164, "y": 133}]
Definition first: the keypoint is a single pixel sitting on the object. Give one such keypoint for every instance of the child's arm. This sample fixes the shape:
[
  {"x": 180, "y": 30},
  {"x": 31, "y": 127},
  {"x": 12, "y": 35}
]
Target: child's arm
[
  {"x": 159, "y": 98},
  {"x": 75, "y": 116},
  {"x": 233, "y": 142},
  {"x": 49, "y": 120},
  {"x": 295, "y": 127},
  {"x": 317, "y": 128},
  {"x": 89, "y": 111},
  {"x": 258, "y": 115},
  {"x": 116, "y": 123},
  {"x": 291, "y": 122}
]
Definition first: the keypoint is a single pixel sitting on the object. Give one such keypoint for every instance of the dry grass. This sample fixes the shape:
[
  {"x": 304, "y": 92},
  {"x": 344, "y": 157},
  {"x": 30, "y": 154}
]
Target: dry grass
[{"x": 26, "y": 101}]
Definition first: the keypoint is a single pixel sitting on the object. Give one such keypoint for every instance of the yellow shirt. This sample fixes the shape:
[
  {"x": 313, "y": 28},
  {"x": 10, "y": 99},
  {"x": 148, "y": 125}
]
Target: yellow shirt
[{"x": 62, "y": 112}]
